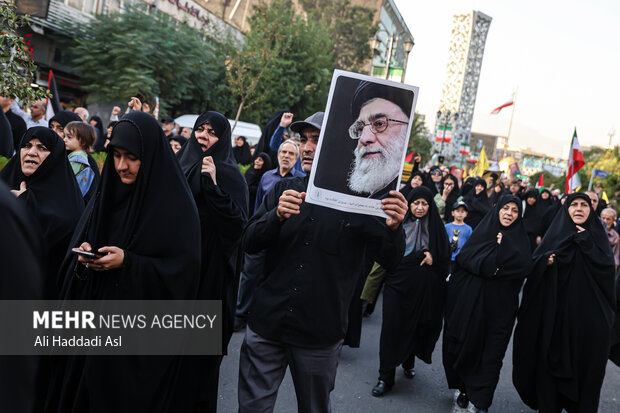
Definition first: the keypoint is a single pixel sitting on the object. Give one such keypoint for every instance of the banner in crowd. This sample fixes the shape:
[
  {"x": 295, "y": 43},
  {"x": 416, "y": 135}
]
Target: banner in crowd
[{"x": 363, "y": 143}]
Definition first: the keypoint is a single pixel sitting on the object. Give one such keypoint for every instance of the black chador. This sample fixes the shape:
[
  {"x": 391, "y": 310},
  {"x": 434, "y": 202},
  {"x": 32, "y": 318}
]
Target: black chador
[
  {"x": 52, "y": 199},
  {"x": 414, "y": 294},
  {"x": 21, "y": 278},
  {"x": 155, "y": 222},
  {"x": 223, "y": 210},
  {"x": 563, "y": 335},
  {"x": 481, "y": 304},
  {"x": 478, "y": 204}
]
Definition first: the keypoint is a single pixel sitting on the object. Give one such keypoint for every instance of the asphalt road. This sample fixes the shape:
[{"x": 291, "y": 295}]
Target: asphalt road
[{"x": 426, "y": 392}]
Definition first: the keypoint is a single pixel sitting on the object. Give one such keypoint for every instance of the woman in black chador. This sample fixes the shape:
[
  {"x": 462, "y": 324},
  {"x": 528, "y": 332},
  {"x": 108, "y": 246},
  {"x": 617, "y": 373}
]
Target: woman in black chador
[
  {"x": 144, "y": 220},
  {"x": 40, "y": 175},
  {"x": 482, "y": 301},
  {"x": 221, "y": 195},
  {"x": 414, "y": 294},
  {"x": 477, "y": 200},
  {"x": 563, "y": 335}
]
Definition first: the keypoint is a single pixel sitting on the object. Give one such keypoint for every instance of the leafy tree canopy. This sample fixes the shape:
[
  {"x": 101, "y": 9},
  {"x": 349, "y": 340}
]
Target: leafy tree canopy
[
  {"x": 286, "y": 62},
  {"x": 120, "y": 55},
  {"x": 17, "y": 68}
]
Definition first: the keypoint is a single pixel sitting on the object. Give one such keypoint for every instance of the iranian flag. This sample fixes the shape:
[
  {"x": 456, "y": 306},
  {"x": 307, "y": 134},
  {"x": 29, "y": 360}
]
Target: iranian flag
[
  {"x": 575, "y": 163},
  {"x": 509, "y": 102},
  {"x": 541, "y": 182},
  {"x": 444, "y": 133}
]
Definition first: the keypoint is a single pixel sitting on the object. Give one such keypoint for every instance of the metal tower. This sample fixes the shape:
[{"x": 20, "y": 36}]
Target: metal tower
[{"x": 458, "y": 95}]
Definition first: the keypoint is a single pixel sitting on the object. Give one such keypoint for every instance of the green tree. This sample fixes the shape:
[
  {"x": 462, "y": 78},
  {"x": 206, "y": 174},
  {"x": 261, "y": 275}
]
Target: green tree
[
  {"x": 137, "y": 54},
  {"x": 286, "y": 62},
  {"x": 418, "y": 139},
  {"x": 350, "y": 27},
  {"x": 18, "y": 69}
]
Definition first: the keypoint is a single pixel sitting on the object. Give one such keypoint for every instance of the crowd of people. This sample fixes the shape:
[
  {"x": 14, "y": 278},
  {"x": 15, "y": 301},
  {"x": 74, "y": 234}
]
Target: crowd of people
[{"x": 170, "y": 216}]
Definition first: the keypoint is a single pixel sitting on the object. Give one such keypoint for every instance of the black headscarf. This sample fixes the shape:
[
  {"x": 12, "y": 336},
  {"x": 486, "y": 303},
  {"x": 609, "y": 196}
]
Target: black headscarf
[
  {"x": 546, "y": 203},
  {"x": 532, "y": 217},
  {"x": 438, "y": 243},
  {"x": 468, "y": 185},
  {"x": 428, "y": 182},
  {"x": 495, "y": 196},
  {"x": 228, "y": 175},
  {"x": 182, "y": 140},
  {"x": 452, "y": 197},
  {"x": 155, "y": 221},
  {"x": 242, "y": 153},
  {"x": 566, "y": 313},
  {"x": 407, "y": 188},
  {"x": 52, "y": 195},
  {"x": 63, "y": 118},
  {"x": 478, "y": 204},
  {"x": 265, "y": 137},
  {"x": 253, "y": 176},
  {"x": 101, "y": 133}
]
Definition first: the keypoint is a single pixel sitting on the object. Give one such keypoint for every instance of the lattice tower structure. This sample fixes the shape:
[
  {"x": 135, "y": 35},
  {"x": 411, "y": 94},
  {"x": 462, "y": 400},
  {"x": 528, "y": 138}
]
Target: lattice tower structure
[{"x": 458, "y": 95}]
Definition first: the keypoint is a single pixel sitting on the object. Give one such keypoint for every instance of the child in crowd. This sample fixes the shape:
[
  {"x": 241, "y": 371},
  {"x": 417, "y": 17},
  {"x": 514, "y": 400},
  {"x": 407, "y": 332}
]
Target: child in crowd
[
  {"x": 79, "y": 139},
  {"x": 458, "y": 231}
]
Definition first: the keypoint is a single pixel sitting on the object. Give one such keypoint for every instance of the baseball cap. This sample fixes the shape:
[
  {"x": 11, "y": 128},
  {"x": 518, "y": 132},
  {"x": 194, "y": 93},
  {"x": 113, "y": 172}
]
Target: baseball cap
[
  {"x": 167, "y": 120},
  {"x": 460, "y": 204},
  {"x": 316, "y": 121}
]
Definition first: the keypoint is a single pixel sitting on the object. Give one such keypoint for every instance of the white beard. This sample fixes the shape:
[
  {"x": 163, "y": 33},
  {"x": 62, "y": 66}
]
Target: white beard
[{"x": 370, "y": 175}]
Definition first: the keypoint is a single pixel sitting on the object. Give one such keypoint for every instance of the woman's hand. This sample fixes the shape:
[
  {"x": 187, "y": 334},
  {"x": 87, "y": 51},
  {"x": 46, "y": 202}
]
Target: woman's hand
[
  {"x": 499, "y": 238},
  {"x": 113, "y": 260},
  {"x": 82, "y": 259},
  {"x": 446, "y": 192},
  {"x": 21, "y": 190},
  {"x": 551, "y": 259},
  {"x": 396, "y": 207},
  {"x": 580, "y": 228},
  {"x": 428, "y": 259},
  {"x": 208, "y": 166}
]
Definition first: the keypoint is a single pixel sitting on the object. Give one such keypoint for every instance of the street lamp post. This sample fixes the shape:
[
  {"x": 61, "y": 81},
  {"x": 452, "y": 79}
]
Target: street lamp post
[
  {"x": 392, "y": 44},
  {"x": 447, "y": 115}
]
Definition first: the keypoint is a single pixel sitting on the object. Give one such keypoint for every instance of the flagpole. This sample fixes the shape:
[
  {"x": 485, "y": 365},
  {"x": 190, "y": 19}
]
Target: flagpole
[{"x": 512, "y": 115}]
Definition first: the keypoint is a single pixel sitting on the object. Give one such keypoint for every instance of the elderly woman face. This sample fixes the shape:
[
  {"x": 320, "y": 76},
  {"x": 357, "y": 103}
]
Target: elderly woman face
[
  {"x": 206, "y": 137},
  {"x": 579, "y": 211},
  {"x": 419, "y": 208},
  {"x": 32, "y": 155},
  {"x": 508, "y": 214}
]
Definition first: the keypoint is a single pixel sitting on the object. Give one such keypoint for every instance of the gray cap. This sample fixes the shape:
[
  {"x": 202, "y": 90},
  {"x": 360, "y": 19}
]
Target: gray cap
[
  {"x": 460, "y": 204},
  {"x": 316, "y": 121}
]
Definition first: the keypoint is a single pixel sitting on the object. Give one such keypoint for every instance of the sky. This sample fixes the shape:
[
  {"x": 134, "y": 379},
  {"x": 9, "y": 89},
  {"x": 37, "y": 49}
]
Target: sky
[{"x": 562, "y": 58}]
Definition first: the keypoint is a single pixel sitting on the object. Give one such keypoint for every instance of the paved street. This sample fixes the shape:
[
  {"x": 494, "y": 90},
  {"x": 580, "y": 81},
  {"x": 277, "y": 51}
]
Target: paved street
[{"x": 427, "y": 392}]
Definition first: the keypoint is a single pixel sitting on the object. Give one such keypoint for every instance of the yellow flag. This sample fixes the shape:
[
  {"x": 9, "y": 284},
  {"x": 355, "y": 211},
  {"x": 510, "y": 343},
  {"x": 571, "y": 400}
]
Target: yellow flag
[
  {"x": 482, "y": 165},
  {"x": 604, "y": 196}
]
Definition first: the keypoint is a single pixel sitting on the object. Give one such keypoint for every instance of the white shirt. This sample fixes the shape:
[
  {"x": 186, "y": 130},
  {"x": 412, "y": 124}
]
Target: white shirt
[{"x": 27, "y": 118}]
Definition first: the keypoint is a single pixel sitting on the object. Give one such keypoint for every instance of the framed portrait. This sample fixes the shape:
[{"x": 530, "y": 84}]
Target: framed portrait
[{"x": 363, "y": 143}]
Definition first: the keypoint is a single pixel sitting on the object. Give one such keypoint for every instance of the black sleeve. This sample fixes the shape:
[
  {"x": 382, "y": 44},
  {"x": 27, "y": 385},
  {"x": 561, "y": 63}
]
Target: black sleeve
[
  {"x": 385, "y": 246},
  {"x": 222, "y": 212},
  {"x": 264, "y": 227},
  {"x": 6, "y": 136}
]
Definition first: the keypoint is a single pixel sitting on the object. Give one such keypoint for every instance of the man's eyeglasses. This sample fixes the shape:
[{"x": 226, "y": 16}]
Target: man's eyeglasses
[{"x": 377, "y": 125}]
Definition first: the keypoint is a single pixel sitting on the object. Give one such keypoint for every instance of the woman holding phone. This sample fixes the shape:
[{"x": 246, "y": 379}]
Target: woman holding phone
[{"x": 143, "y": 257}]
